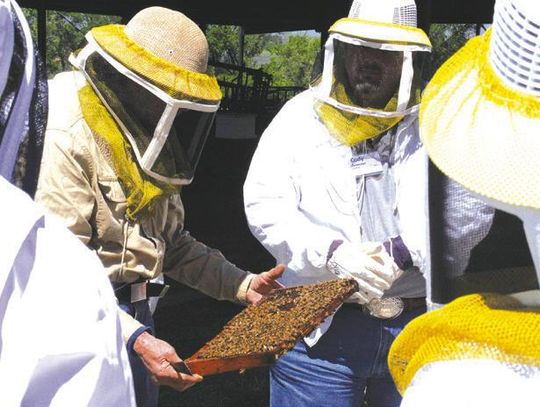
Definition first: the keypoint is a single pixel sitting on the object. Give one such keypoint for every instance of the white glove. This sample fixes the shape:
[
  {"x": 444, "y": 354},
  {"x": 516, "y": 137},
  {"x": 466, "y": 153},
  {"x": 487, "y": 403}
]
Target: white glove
[{"x": 369, "y": 264}]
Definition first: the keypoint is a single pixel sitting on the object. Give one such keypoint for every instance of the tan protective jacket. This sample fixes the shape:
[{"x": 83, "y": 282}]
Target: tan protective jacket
[{"x": 78, "y": 184}]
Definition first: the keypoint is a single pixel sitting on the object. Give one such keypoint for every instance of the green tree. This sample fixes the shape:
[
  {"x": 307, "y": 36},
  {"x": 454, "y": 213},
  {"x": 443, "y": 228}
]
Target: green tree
[
  {"x": 291, "y": 62},
  {"x": 446, "y": 40},
  {"x": 65, "y": 34},
  {"x": 224, "y": 43}
]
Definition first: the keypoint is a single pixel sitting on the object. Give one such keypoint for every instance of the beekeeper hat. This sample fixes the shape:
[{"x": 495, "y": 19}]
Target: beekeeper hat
[
  {"x": 166, "y": 48},
  {"x": 384, "y": 22},
  {"x": 151, "y": 76},
  {"x": 386, "y": 25},
  {"x": 385, "y": 30},
  {"x": 401, "y": 12},
  {"x": 480, "y": 114}
]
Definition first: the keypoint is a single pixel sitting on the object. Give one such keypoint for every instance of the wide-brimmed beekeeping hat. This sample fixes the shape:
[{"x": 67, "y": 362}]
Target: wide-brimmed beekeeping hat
[
  {"x": 151, "y": 76},
  {"x": 372, "y": 66},
  {"x": 165, "y": 47},
  {"x": 480, "y": 114}
]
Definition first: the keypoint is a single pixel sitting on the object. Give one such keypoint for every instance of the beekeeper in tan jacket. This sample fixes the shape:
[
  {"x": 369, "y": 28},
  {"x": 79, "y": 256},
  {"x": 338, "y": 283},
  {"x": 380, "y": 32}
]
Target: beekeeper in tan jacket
[{"x": 125, "y": 132}]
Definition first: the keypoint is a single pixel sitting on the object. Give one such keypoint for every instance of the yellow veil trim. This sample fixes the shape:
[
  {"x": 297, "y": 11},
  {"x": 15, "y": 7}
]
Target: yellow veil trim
[
  {"x": 178, "y": 82},
  {"x": 478, "y": 326},
  {"x": 141, "y": 191},
  {"x": 379, "y": 31},
  {"x": 475, "y": 55},
  {"x": 350, "y": 128}
]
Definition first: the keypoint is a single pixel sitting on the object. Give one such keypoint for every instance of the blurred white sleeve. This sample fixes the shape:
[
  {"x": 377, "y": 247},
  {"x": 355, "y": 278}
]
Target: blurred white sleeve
[{"x": 60, "y": 328}]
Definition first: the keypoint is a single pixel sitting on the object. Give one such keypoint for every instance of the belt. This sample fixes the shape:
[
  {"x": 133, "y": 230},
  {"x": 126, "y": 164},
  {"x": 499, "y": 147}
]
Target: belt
[
  {"x": 388, "y": 308},
  {"x": 139, "y": 291}
]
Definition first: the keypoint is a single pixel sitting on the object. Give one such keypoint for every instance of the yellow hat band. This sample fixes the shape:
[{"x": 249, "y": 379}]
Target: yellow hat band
[
  {"x": 489, "y": 326},
  {"x": 178, "y": 82},
  {"x": 481, "y": 132}
]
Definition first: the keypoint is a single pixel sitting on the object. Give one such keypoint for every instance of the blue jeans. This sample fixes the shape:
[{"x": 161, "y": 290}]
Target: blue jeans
[
  {"x": 347, "y": 364},
  {"x": 146, "y": 392}
]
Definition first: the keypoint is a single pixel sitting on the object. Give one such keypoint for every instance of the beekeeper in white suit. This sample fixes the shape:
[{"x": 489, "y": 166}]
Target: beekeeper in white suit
[
  {"x": 59, "y": 345},
  {"x": 348, "y": 199},
  {"x": 480, "y": 122}
]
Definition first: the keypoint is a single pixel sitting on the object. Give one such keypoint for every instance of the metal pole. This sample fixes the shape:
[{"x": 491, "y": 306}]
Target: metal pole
[
  {"x": 241, "y": 39},
  {"x": 479, "y": 28},
  {"x": 324, "y": 37},
  {"x": 42, "y": 33},
  {"x": 240, "y": 82}
]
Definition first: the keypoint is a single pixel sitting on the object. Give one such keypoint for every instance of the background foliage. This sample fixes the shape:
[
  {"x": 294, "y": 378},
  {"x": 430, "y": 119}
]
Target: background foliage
[
  {"x": 65, "y": 34},
  {"x": 446, "y": 40},
  {"x": 287, "y": 57}
]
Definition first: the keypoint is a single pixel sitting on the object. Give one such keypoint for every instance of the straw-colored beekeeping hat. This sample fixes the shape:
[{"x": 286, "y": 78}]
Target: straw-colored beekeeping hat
[
  {"x": 170, "y": 35},
  {"x": 480, "y": 114},
  {"x": 165, "y": 47}
]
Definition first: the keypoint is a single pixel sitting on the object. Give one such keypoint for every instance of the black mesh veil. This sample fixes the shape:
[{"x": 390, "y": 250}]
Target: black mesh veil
[
  {"x": 25, "y": 170},
  {"x": 29, "y": 158},
  {"x": 146, "y": 119},
  {"x": 474, "y": 247}
]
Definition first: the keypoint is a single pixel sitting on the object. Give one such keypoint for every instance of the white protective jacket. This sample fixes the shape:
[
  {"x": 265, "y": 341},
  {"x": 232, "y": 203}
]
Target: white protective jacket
[
  {"x": 301, "y": 194},
  {"x": 60, "y": 342}
]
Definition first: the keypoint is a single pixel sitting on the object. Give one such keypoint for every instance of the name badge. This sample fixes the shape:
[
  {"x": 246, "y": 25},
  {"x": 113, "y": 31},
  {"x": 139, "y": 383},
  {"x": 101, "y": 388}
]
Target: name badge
[{"x": 367, "y": 164}]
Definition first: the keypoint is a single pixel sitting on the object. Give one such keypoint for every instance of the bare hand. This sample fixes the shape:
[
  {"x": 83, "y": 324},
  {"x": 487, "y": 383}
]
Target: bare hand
[
  {"x": 264, "y": 283},
  {"x": 158, "y": 357}
]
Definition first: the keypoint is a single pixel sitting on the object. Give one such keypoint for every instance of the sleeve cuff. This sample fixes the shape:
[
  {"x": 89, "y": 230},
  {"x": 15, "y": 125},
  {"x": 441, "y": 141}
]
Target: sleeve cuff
[
  {"x": 241, "y": 293},
  {"x": 135, "y": 335},
  {"x": 397, "y": 249},
  {"x": 128, "y": 325}
]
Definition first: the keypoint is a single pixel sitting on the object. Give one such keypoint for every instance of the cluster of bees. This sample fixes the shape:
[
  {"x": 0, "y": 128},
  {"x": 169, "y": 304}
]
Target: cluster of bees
[{"x": 279, "y": 320}]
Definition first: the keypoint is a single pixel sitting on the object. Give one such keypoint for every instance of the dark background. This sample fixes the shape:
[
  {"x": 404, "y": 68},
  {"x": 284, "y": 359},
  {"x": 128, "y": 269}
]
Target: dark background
[{"x": 186, "y": 318}]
